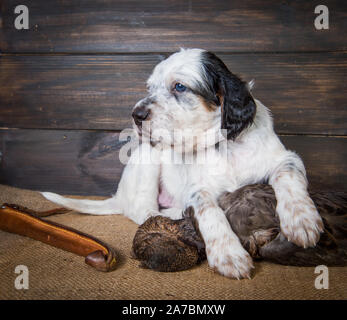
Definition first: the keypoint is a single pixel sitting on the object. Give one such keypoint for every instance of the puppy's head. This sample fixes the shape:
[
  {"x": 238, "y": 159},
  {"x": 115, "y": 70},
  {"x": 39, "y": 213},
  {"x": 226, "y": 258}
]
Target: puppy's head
[{"x": 192, "y": 92}]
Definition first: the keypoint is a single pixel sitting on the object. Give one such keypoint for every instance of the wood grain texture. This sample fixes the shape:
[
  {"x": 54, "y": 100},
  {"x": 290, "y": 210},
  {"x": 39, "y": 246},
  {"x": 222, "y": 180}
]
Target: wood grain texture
[
  {"x": 324, "y": 159},
  {"x": 87, "y": 162},
  {"x": 71, "y": 92},
  {"x": 164, "y": 26},
  {"x": 306, "y": 92},
  {"x": 64, "y": 161}
]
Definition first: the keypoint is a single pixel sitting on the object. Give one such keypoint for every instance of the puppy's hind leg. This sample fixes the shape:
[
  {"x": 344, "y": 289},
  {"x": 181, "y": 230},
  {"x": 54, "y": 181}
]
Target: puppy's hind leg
[
  {"x": 139, "y": 186},
  {"x": 137, "y": 193}
]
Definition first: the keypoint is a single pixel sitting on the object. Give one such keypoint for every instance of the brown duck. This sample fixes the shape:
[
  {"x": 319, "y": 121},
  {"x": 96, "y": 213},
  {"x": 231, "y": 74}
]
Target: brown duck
[{"x": 163, "y": 244}]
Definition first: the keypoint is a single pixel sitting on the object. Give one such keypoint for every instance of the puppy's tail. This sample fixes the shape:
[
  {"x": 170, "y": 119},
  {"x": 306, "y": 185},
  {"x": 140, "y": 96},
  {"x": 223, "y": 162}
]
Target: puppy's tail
[{"x": 98, "y": 207}]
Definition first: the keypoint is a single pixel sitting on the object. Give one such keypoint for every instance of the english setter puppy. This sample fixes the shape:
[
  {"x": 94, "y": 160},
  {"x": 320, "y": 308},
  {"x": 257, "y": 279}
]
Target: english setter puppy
[{"x": 193, "y": 89}]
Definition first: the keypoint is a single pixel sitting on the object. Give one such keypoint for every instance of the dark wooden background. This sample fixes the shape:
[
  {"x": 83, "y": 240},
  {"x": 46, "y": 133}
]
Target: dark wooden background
[{"x": 68, "y": 84}]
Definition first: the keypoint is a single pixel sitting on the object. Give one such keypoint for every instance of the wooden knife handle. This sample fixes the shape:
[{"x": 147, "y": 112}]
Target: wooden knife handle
[{"x": 25, "y": 222}]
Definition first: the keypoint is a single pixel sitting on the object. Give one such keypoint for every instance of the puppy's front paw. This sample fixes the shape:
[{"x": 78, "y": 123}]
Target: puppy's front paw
[
  {"x": 229, "y": 258},
  {"x": 301, "y": 222}
]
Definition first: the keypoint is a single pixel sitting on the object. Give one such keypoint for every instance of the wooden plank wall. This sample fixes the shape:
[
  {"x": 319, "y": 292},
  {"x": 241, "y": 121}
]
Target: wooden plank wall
[{"x": 68, "y": 84}]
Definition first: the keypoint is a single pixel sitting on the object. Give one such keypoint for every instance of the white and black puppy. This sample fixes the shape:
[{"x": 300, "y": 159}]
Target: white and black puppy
[{"x": 193, "y": 89}]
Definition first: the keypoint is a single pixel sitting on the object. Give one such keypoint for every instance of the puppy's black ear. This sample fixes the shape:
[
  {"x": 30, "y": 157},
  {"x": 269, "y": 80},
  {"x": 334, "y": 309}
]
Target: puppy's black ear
[{"x": 238, "y": 106}]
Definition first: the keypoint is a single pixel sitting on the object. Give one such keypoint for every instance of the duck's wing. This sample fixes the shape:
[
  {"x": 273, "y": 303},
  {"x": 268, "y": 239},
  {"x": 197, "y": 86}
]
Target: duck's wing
[
  {"x": 251, "y": 212},
  {"x": 332, "y": 206},
  {"x": 331, "y": 250},
  {"x": 326, "y": 252}
]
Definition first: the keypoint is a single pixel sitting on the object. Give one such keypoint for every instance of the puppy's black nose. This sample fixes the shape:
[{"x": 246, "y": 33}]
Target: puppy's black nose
[{"x": 140, "y": 114}]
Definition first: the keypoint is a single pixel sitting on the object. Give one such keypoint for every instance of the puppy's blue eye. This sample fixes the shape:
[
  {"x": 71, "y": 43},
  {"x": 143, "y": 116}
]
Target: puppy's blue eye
[{"x": 180, "y": 87}]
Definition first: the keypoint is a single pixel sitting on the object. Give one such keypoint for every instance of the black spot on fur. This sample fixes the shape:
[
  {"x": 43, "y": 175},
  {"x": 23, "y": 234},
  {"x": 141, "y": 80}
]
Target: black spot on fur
[{"x": 224, "y": 88}]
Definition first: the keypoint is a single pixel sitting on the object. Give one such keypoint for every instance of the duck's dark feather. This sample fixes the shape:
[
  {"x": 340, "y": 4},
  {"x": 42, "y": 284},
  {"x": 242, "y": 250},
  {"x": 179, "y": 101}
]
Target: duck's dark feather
[
  {"x": 251, "y": 212},
  {"x": 166, "y": 245}
]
